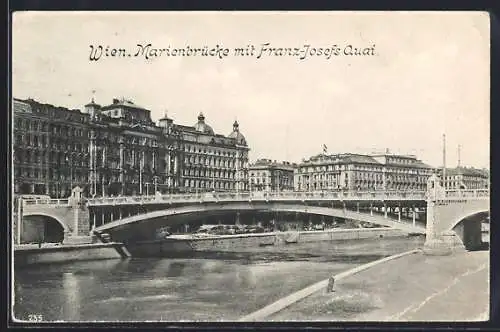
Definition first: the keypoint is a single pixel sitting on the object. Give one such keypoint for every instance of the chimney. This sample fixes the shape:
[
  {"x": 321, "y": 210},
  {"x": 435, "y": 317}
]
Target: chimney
[{"x": 116, "y": 100}]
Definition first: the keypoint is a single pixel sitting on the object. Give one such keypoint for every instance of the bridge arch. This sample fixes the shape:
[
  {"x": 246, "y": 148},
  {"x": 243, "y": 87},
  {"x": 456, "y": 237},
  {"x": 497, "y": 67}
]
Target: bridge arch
[
  {"x": 42, "y": 227},
  {"x": 476, "y": 215},
  {"x": 49, "y": 216},
  {"x": 469, "y": 229},
  {"x": 261, "y": 206}
]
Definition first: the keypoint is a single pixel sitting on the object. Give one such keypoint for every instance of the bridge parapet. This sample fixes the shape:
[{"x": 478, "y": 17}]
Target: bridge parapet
[
  {"x": 260, "y": 196},
  {"x": 464, "y": 194},
  {"x": 267, "y": 196},
  {"x": 47, "y": 202}
]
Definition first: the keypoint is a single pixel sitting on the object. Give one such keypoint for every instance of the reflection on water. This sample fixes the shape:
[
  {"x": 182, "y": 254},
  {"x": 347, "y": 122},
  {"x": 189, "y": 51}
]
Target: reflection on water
[{"x": 211, "y": 287}]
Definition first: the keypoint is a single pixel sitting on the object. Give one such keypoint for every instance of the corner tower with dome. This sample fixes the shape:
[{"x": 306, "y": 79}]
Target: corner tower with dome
[{"x": 210, "y": 161}]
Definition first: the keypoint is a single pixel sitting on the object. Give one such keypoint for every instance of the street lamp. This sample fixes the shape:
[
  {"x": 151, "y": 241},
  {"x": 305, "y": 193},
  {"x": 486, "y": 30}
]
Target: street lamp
[
  {"x": 70, "y": 160},
  {"x": 103, "y": 181},
  {"x": 19, "y": 218}
]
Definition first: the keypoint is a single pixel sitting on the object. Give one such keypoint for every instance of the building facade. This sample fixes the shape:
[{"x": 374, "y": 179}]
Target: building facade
[
  {"x": 361, "y": 172},
  {"x": 210, "y": 161},
  {"x": 268, "y": 175},
  {"x": 466, "y": 178},
  {"x": 118, "y": 150},
  {"x": 50, "y": 149}
]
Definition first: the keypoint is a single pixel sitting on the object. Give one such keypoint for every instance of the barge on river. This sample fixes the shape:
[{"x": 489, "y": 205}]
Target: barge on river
[{"x": 191, "y": 243}]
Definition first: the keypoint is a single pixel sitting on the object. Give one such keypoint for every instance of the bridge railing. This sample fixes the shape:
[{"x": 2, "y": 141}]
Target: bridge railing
[
  {"x": 467, "y": 193},
  {"x": 49, "y": 202},
  {"x": 273, "y": 196},
  {"x": 245, "y": 196}
]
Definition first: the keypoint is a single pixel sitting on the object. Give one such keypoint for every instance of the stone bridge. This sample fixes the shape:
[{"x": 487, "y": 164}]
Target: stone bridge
[
  {"x": 451, "y": 213},
  {"x": 112, "y": 215}
]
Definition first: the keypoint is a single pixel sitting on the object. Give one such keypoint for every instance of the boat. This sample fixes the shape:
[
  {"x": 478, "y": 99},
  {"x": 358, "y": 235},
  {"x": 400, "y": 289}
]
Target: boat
[
  {"x": 205, "y": 241},
  {"x": 208, "y": 238},
  {"x": 199, "y": 242}
]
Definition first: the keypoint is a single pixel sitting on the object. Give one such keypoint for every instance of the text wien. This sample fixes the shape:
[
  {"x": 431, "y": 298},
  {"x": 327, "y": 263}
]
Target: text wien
[{"x": 148, "y": 52}]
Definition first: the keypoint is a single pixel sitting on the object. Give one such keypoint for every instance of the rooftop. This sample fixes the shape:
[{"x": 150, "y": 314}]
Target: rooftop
[
  {"x": 124, "y": 103},
  {"x": 273, "y": 163},
  {"x": 468, "y": 171},
  {"x": 355, "y": 158}
]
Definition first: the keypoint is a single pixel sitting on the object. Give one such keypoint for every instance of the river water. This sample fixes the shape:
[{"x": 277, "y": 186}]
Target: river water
[{"x": 212, "y": 288}]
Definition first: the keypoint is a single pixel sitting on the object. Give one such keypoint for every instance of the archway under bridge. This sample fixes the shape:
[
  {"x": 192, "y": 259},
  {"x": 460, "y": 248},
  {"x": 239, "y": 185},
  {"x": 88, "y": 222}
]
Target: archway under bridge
[
  {"x": 469, "y": 230},
  {"x": 42, "y": 229},
  {"x": 141, "y": 224}
]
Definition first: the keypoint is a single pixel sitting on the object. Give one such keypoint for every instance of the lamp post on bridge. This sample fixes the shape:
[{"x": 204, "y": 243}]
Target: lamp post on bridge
[
  {"x": 19, "y": 219},
  {"x": 413, "y": 215},
  {"x": 155, "y": 179},
  {"x": 69, "y": 159},
  {"x": 237, "y": 172}
]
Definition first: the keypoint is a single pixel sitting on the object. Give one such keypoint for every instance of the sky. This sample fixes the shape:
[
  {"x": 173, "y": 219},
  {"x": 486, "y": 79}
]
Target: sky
[{"x": 429, "y": 76}]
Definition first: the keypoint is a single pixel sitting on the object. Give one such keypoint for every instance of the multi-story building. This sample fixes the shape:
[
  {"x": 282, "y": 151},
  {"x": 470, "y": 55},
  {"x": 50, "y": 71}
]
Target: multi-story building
[
  {"x": 268, "y": 175},
  {"x": 126, "y": 150},
  {"x": 50, "y": 152},
  {"x": 118, "y": 149},
  {"x": 362, "y": 172},
  {"x": 211, "y": 161},
  {"x": 466, "y": 178}
]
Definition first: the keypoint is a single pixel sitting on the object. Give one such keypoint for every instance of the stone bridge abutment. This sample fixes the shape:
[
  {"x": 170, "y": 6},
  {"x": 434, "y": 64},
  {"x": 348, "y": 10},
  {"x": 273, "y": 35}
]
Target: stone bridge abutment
[
  {"x": 71, "y": 215},
  {"x": 454, "y": 219}
]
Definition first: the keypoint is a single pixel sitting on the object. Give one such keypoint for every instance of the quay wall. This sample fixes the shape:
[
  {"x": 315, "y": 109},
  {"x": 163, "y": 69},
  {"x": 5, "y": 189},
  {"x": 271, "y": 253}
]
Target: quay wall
[{"x": 68, "y": 253}]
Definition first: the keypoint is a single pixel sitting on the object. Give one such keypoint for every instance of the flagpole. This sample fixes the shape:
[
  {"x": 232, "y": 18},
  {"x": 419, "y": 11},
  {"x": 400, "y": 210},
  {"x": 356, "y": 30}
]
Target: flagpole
[{"x": 444, "y": 161}]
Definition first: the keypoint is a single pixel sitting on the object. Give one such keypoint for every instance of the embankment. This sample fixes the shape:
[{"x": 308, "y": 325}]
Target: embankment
[{"x": 24, "y": 256}]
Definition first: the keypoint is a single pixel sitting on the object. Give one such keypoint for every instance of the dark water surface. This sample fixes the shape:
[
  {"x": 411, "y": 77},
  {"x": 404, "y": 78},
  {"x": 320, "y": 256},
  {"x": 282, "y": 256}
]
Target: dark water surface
[{"x": 211, "y": 288}]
